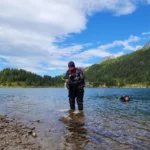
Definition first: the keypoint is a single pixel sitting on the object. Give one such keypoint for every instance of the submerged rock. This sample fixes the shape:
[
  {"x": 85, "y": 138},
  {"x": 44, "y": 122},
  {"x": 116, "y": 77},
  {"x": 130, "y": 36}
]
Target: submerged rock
[
  {"x": 1, "y": 117},
  {"x": 65, "y": 119},
  {"x": 34, "y": 134},
  {"x": 38, "y": 121}
]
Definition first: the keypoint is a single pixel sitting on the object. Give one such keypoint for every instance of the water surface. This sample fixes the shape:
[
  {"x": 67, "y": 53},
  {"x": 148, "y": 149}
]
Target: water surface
[{"x": 107, "y": 123}]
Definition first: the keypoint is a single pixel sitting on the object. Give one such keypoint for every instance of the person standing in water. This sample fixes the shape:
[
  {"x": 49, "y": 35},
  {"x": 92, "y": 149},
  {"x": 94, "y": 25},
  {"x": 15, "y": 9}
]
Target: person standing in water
[{"x": 75, "y": 84}]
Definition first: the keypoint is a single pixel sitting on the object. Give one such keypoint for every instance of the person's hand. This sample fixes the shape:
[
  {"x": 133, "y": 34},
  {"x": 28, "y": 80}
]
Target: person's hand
[{"x": 67, "y": 80}]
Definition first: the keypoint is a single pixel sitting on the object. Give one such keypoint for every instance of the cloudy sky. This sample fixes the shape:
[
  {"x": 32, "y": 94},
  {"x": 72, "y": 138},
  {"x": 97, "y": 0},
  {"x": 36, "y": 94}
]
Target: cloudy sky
[{"x": 43, "y": 35}]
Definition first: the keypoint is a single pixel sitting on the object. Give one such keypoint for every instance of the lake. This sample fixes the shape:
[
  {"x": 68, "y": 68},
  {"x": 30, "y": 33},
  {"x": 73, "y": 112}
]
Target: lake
[{"x": 107, "y": 123}]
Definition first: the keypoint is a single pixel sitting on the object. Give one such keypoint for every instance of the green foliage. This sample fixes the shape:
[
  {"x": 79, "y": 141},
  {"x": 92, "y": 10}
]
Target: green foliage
[
  {"x": 95, "y": 84},
  {"x": 20, "y": 77},
  {"x": 121, "y": 83},
  {"x": 128, "y": 69},
  {"x": 9, "y": 84},
  {"x": 18, "y": 83},
  {"x": 4, "y": 84}
]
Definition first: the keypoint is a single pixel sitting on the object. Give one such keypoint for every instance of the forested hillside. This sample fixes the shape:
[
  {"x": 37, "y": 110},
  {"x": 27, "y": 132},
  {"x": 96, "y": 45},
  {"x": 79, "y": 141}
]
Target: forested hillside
[
  {"x": 20, "y": 77},
  {"x": 128, "y": 69}
]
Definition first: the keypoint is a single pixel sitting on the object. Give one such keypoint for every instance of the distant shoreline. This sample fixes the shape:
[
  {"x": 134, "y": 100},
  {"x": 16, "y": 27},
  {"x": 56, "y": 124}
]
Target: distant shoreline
[
  {"x": 22, "y": 85},
  {"x": 31, "y": 87},
  {"x": 63, "y": 87}
]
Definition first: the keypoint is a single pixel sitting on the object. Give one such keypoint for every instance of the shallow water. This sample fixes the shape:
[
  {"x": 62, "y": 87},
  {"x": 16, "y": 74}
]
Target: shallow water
[{"x": 106, "y": 123}]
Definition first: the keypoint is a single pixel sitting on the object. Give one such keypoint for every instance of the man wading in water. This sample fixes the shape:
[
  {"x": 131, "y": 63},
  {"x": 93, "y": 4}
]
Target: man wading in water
[{"x": 75, "y": 84}]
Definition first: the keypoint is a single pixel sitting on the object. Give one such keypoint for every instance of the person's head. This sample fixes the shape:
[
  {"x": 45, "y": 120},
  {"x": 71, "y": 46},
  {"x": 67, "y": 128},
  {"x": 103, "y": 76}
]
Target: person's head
[
  {"x": 126, "y": 98},
  {"x": 71, "y": 65}
]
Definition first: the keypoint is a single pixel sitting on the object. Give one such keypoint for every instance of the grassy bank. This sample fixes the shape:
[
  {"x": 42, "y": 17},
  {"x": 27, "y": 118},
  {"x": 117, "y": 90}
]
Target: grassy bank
[
  {"x": 62, "y": 86},
  {"x": 140, "y": 85},
  {"x": 24, "y": 85}
]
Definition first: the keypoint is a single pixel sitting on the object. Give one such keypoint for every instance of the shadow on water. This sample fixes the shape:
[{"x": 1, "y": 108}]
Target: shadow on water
[{"x": 76, "y": 138}]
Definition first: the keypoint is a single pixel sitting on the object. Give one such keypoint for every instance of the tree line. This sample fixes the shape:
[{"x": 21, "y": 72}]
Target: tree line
[
  {"x": 21, "y": 77},
  {"x": 128, "y": 69}
]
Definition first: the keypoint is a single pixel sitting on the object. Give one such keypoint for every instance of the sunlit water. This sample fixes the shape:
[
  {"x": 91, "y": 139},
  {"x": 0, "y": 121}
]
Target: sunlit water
[{"x": 107, "y": 122}]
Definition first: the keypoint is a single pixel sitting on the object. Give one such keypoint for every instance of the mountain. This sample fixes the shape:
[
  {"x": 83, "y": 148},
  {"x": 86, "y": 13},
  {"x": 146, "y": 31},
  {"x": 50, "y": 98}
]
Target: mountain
[
  {"x": 127, "y": 70},
  {"x": 147, "y": 45},
  {"x": 107, "y": 58}
]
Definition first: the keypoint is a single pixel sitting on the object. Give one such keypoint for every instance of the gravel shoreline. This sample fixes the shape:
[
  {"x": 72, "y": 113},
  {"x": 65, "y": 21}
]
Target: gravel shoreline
[{"x": 16, "y": 136}]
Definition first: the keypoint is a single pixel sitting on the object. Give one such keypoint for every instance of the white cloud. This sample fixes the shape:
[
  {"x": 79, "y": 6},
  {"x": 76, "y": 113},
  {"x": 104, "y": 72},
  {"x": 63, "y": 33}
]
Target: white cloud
[
  {"x": 124, "y": 43},
  {"x": 29, "y": 29},
  {"x": 102, "y": 50},
  {"x": 118, "y": 54},
  {"x": 148, "y": 1},
  {"x": 146, "y": 33}
]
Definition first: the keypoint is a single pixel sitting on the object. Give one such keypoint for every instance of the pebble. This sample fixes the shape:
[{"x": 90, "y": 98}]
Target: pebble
[
  {"x": 34, "y": 134},
  {"x": 5, "y": 130},
  {"x": 38, "y": 121}
]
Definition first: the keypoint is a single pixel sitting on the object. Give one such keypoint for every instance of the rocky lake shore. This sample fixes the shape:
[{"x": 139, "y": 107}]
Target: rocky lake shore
[{"x": 16, "y": 136}]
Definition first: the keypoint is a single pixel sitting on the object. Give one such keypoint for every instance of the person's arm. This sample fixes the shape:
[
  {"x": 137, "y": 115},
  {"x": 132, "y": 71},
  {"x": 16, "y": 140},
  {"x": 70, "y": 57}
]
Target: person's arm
[
  {"x": 66, "y": 75},
  {"x": 82, "y": 78}
]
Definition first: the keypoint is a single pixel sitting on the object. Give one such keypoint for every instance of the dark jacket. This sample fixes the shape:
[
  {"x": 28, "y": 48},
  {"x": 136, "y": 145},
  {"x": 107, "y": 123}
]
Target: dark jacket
[{"x": 77, "y": 78}]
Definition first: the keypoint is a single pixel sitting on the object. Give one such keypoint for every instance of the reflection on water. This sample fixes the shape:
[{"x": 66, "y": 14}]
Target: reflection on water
[
  {"x": 76, "y": 138},
  {"x": 106, "y": 122}
]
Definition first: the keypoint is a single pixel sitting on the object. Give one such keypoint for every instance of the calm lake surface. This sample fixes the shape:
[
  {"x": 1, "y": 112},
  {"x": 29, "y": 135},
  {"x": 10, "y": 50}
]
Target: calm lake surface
[{"x": 107, "y": 123}]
